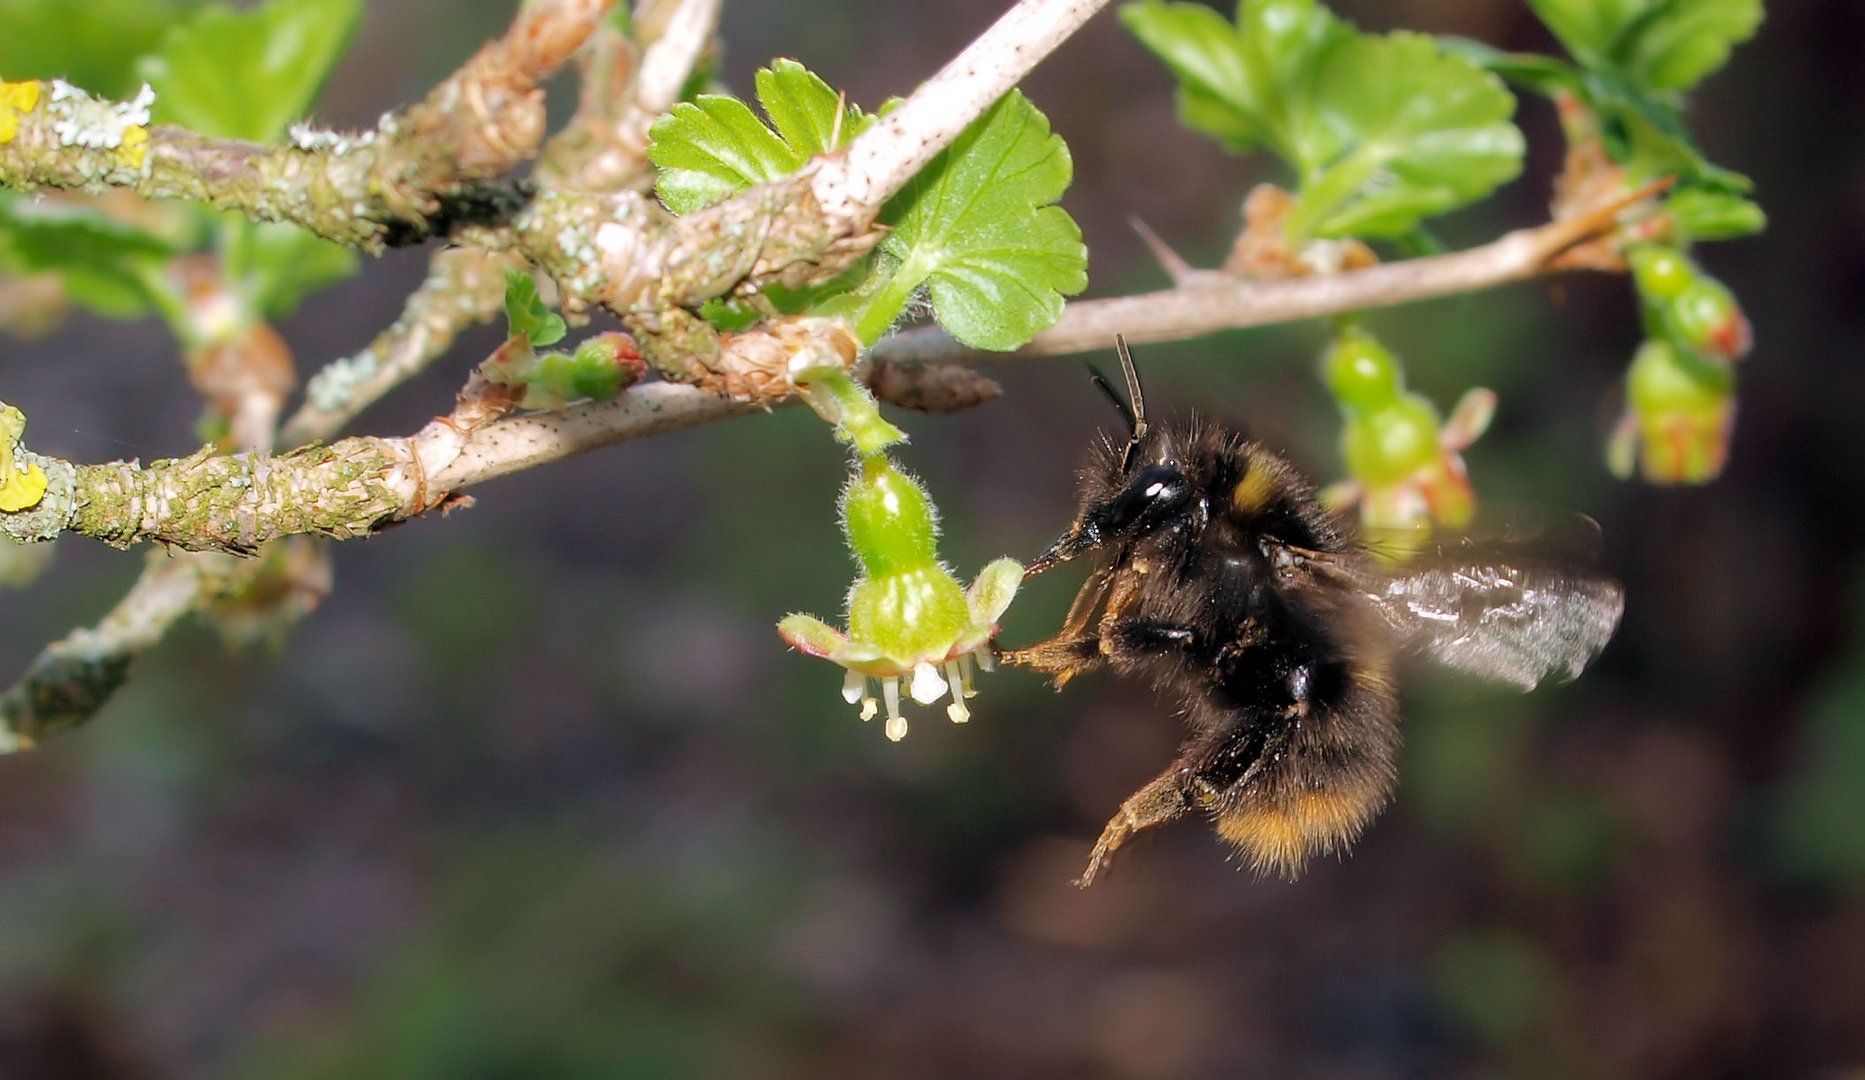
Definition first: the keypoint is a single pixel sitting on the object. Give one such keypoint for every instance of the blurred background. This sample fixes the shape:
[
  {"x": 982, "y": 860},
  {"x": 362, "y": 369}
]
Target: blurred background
[{"x": 538, "y": 792}]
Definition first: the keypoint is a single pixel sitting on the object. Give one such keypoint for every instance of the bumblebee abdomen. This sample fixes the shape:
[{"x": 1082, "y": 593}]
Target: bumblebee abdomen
[{"x": 1324, "y": 764}]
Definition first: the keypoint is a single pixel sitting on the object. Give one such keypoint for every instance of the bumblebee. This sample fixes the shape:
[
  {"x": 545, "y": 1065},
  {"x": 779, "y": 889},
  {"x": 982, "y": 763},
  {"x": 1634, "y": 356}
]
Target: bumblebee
[{"x": 1219, "y": 577}]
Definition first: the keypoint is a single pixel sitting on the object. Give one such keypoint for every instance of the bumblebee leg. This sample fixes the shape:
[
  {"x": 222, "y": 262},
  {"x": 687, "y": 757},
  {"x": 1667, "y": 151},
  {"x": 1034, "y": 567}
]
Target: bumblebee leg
[
  {"x": 1061, "y": 657},
  {"x": 1149, "y": 636},
  {"x": 1155, "y": 804}
]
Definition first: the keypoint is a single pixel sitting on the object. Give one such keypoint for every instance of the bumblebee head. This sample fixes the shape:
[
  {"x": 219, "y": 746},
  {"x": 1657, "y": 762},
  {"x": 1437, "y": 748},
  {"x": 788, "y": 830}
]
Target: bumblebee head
[{"x": 1143, "y": 489}]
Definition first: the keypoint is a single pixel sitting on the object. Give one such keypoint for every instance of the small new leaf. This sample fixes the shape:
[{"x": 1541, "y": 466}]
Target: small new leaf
[
  {"x": 978, "y": 228},
  {"x": 713, "y": 147},
  {"x": 248, "y": 74},
  {"x": 527, "y": 314}
]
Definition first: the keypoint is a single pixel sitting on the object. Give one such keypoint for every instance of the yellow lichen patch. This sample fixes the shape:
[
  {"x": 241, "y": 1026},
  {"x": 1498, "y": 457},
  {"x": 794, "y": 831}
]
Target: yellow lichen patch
[
  {"x": 22, "y": 489},
  {"x": 1279, "y": 839},
  {"x": 1254, "y": 491},
  {"x": 16, "y": 98},
  {"x": 134, "y": 148}
]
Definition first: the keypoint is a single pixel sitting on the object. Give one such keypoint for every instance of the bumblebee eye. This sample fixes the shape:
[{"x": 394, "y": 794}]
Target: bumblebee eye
[{"x": 1155, "y": 490}]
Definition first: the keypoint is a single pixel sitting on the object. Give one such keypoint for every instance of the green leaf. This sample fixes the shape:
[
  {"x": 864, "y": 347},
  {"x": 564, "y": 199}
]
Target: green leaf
[
  {"x": 713, "y": 147},
  {"x": 1678, "y": 42},
  {"x": 1588, "y": 28},
  {"x": 1648, "y": 135},
  {"x": 527, "y": 314},
  {"x": 288, "y": 264},
  {"x": 1428, "y": 132},
  {"x": 1660, "y": 44},
  {"x": 977, "y": 227},
  {"x": 94, "y": 44},
  {"x": 1708, "y": 214},
  {"x": 1383, "y": 132},
  {"x": 1544, "y": 75},
  {"x": 106, "y": 265},
  {"x": 248, "y": 74},
  {"x": 1250, "y": 84}
]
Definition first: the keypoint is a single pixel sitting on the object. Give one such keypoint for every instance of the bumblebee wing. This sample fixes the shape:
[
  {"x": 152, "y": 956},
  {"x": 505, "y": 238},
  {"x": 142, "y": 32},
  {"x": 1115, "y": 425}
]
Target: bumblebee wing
[{"x": 1514, "y": 621}]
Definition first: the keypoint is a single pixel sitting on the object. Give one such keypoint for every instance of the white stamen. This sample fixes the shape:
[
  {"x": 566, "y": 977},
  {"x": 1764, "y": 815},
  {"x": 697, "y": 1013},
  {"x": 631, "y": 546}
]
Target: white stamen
[
  {"x": 896, "y": 724},
  {"x": 957, "y": 712},
  {"x": 927, "y": 686},
  {"x": 955, "y": 677},
  {"x": 983, "y": 655},
  {"x": 869, "y": 707},
  {"x": 854, "y": 684}
]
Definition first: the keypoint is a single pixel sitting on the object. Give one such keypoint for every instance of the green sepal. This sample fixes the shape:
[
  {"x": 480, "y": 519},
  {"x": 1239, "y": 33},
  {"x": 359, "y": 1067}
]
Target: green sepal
[{"x": 993, "y": 589}]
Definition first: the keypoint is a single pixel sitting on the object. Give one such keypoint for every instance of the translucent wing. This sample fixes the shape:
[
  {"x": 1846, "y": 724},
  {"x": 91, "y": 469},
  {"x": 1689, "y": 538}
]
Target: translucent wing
[{"x": 1514, "y": 621}]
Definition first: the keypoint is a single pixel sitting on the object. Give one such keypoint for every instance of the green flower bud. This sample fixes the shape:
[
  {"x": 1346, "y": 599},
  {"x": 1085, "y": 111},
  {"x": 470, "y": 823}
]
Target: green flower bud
[
  {"x": 1661, "y": 272},
  {"x": 1362, "y": 374},
  {"x": 1706, "y": 319},
  {"x": 1389, "y": 445}
]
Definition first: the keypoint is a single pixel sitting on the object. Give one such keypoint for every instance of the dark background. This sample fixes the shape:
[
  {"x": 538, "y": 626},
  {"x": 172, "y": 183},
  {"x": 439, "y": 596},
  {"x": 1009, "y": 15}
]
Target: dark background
[{"x": 539, "y": 793}]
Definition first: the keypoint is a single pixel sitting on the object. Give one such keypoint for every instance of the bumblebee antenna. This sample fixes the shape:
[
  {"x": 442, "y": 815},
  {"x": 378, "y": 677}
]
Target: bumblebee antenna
[{"x": 1136, "y": 410}]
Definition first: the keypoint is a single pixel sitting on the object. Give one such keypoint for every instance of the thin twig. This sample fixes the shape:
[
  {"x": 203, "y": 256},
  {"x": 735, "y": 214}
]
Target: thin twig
[
  {"x": 1206, "y": 307},
  {"x": 668, "y": 62},
  {"x": 444, "y": 157},
  {"x": 464, "y": 287},
  {"x": 855, "y": 186}
]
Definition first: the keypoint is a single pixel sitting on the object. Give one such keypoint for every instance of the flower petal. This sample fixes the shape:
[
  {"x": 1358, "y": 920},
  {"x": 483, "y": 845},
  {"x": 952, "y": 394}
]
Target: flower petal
[{"x": 927, "y": 686}]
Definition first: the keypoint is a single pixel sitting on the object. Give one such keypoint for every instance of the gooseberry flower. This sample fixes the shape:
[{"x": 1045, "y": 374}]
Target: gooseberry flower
[
  {"x": 908, "y": 617},
  {"x": 1405, "y": 466},
  {"x": 1680, "y": 410}
]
